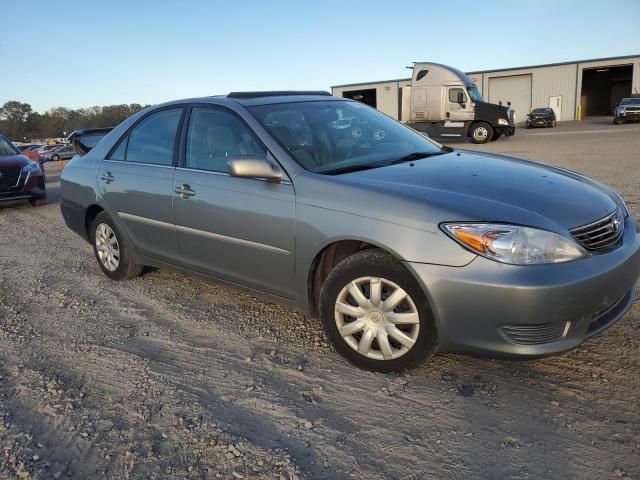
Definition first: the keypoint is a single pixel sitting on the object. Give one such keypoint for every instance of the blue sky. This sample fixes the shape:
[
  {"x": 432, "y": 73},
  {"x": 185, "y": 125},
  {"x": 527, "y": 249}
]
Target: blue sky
[{"x": 84, "y": 53}]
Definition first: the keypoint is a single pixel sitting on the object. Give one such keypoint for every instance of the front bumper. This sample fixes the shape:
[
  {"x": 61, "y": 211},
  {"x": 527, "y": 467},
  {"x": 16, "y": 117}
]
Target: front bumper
[
  {"x": 489, "y": 308},
  {"x": 539, "y": 122},
  {"x": 29, "y": 186}
]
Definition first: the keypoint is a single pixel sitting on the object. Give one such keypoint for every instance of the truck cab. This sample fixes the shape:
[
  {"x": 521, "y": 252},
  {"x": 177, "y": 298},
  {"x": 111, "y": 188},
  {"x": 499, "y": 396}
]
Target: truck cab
[{"x": 445, "y": 103}]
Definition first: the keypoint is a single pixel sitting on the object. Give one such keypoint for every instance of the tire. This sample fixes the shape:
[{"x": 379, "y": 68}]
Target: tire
[
  {"x": 115, "y": 261},
  {"x": 55, "y": 158},
  {"x": 38, "y": 202},
  {"x": 480, "y": 132},
  {"x": 553, "y": 124},
  {"x": 495, "y": 136},
  {"x": 357, "y": 273}
]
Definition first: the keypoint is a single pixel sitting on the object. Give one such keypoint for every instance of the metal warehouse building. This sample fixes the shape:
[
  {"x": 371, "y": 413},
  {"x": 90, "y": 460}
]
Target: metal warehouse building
[{"x": 573, "y": 89}]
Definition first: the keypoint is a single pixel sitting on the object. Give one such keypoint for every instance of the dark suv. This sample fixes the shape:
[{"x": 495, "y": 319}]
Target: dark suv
[
  {"x": 541, "y": 117},
  {"x": 20, "y": 178}
]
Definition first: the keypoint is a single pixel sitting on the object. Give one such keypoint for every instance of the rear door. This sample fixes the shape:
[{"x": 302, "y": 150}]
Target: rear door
[
  {"x": 237, "y": 229},
  {"x": 136, "y": 183}
]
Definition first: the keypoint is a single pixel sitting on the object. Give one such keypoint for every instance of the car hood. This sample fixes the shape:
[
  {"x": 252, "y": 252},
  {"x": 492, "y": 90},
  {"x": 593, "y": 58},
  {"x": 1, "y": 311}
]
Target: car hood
[
  {"x": 13, "y": 160},
  {"x": 474, "y": 186}
]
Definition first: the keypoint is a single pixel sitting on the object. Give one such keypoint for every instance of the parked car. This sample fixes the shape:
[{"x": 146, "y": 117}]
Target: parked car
[
  {"x": 20, "y": 177},
  {"x": 30, "y": 151},
  {"x": 62, "y": 152},
  {"x": 45, "y": 149},
  {"x": 28, "y": 146},
  {"x": 541, "y": 117},
  {"x": 627, "y": 110},
  {"x": 402, "y": 246}
]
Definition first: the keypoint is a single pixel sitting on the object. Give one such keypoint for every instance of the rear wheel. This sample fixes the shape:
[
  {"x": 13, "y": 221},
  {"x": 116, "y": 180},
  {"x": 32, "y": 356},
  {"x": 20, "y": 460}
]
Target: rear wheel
[
  {"x": 480, "y": 132},
  {"x": 111, "y": 249},
  {"x": 55, "y": 158},
  {"x": 375, "y": 313}
]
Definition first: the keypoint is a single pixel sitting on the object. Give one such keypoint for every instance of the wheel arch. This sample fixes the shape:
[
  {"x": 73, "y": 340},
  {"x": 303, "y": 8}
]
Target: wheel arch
[
  {"x": 332, "y": 253},
  {"x": 90, "y": 214}
]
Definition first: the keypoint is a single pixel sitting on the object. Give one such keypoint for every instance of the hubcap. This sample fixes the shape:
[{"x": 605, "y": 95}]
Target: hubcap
[
  {"x": 480, "y": 133},
  {"x": 107, "y": 247},
  {"x": 377, "y": 318}
]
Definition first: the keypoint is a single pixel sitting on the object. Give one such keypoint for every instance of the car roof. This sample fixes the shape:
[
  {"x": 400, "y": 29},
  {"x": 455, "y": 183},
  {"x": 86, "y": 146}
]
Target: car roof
[{"x": 249, "y": 99}]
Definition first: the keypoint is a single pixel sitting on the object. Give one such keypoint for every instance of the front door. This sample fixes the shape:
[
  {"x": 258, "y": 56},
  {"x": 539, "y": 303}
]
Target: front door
[
  {"x": 136, "y": 184},
  {"x": 457, "y": 107},
  {"x": 237, "y": 229},
  {"x": 556, "y": 104}
]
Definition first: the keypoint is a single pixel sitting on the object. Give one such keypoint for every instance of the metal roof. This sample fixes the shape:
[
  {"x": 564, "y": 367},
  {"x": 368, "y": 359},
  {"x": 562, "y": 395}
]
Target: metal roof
[{"x": 604, "y": 59}]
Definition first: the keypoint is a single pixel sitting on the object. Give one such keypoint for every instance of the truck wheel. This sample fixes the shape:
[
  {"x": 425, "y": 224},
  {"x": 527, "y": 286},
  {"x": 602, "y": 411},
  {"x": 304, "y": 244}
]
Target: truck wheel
[
  {"x": 495, "y": 136},
  {"x": 480, "y": 132}
]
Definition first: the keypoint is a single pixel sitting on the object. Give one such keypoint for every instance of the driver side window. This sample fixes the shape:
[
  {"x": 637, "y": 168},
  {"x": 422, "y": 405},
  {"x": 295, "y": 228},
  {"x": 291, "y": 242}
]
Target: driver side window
[
  {"x": 214, "y": 135},
  {"x": 454, "y": 93}
]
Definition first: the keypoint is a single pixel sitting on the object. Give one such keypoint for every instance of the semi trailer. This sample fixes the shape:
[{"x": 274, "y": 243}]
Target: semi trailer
[{"x": 443, "y": 102}]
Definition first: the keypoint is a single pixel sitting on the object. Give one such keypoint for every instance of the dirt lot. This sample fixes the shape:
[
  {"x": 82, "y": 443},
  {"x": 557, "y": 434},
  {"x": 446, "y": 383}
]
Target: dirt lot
[{"x": 170, "y": 377}]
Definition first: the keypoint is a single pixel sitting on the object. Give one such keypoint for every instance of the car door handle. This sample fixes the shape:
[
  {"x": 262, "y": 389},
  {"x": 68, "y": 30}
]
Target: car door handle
[
  {"x": 184, "y": 191},
  {"x": 107, "y": 177}
]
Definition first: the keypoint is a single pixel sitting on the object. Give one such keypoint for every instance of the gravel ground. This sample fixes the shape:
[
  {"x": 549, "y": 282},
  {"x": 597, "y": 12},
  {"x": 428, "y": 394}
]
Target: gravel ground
[{"x": 171, "y": 377}]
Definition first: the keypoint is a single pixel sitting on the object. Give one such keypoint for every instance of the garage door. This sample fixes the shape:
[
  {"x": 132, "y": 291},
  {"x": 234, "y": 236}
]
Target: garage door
[{"x": 515, "y": 89}]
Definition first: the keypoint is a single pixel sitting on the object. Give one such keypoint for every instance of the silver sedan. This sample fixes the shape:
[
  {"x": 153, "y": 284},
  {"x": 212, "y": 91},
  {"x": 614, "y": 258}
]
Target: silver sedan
[{"x": 401, "y": 246}]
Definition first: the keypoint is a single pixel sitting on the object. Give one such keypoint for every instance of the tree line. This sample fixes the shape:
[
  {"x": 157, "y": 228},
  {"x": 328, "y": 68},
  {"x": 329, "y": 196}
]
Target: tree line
[{"x": 20, "y": 123}]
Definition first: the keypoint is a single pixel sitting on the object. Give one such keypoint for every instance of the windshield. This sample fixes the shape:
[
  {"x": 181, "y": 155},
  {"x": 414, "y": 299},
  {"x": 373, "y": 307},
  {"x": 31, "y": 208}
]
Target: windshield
[
  {"x": 7, "y": 148},
  {"x": 334, "y": 136},
  {"x": 630, "y": 101},
  {"x": 474, "y": 93},
  {"x": 541, "y": 110}
]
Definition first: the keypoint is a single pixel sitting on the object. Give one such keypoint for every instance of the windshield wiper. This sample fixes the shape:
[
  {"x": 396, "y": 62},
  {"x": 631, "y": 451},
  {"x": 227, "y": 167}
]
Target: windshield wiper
[
  {"x": 416, "y": 156},
  {"x": 350, "y": 168}
]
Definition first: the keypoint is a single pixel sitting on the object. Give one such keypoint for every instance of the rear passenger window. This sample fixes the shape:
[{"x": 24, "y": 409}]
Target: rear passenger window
[
  {"x": 152, "y": 140},
  {"x": 214, "y": 135}
]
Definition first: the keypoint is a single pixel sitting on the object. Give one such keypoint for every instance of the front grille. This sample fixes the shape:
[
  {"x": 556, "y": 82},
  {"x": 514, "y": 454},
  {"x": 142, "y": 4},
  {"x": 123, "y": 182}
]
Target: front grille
[
  {"x": 602, "y": 234},
  {"x": 535, "y": 334},
  {"x": 9, "y": 177}
]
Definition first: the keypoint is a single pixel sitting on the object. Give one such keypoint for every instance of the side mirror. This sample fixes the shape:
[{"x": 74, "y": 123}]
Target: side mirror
[
  {"x": 460, "y": 98},
  {"x": 254, "y": 167}
]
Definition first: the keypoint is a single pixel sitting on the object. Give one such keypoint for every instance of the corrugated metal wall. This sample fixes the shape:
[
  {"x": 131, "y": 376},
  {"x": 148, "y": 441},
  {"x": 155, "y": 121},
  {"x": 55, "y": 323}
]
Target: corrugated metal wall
[
  {"x": 546, "y": 82},
  {"x": 557, "y": 80},
  {"x": 550, "y": 81}
]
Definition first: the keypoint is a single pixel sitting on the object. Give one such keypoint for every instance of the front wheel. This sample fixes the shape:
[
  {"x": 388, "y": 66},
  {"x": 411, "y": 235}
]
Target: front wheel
[
  {"x": 553, "y": 124},
  {"x": 111, "y": 249},
  {"x": 480, "y": 132},
  {"x": 55, "y": 158},
  {"x": 495, "y": 136},
  {"x": 375, "y": 313}
]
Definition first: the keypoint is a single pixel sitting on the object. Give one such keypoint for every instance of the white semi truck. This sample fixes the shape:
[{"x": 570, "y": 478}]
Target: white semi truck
[{"x": 444, "y": 103}]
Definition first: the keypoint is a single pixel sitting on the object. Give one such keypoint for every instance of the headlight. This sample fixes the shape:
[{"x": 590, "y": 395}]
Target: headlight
[
  {"x": 514, "y": 244},
  {"x": 503, "y": 121},
  {"x": 31, "y": 167}
]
